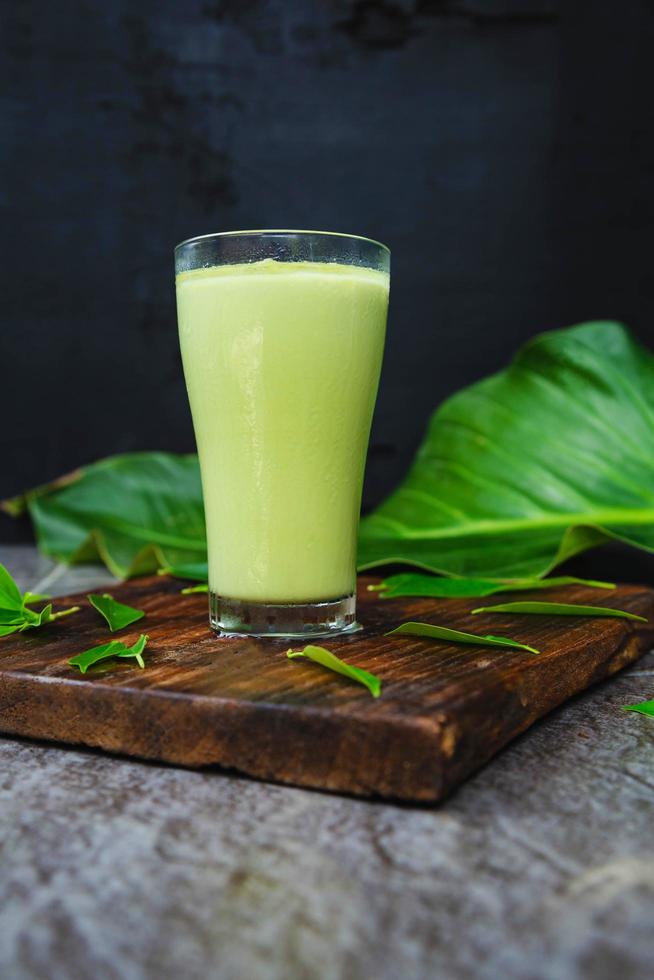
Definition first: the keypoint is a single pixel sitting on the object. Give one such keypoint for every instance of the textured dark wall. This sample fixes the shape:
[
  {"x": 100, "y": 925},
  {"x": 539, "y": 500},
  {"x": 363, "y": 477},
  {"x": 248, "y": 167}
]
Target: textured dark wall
[{"x": 503, "y": 150}]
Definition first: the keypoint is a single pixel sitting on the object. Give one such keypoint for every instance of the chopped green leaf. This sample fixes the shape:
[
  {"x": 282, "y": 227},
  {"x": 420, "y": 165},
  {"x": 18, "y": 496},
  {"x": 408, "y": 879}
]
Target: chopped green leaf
[
  {"x": 95, "y": 654},
  {"x": 558, "y": 609},
  {"x": 415, "y": 584},
  {"x": 38, "y": 618},
  {"x": 9, "y": 617},
  {"x": 27, "y": 618},
  {"x": 644, "y": 707},
  {"x": 117, "y": 614},
  {"x": 329, "y": 660},
  {"x": 114, "y": 648},
  {"x": 202, "y": 587},
  {"x": 10, "y": 595},
  {"x": 7, "y": 629},
  {"x": 456, "y": 636},
  {"x": 15, "y": 614},
  {"x": 135, "y": 650}
]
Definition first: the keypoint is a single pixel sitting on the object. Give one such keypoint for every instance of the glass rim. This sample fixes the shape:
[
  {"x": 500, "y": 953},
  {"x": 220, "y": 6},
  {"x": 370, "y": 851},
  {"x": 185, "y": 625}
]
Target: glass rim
[{"x": 272, "y": 232}]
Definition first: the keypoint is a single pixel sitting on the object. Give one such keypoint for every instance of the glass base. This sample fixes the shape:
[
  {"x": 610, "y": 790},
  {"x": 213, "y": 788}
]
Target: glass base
[{"x": 292, "y": 619}]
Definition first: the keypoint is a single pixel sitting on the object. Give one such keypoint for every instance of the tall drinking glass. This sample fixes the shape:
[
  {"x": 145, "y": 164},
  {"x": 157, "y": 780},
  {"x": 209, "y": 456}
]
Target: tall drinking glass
[{"x": 282, "y": 334}]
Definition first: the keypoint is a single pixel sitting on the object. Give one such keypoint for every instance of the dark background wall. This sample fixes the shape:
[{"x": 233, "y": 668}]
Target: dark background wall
[{"x": 504, "y": 150}]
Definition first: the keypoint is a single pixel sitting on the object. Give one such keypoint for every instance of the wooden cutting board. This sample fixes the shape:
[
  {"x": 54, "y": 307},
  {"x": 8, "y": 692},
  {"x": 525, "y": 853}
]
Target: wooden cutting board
[{"x": 445, "y": 710}]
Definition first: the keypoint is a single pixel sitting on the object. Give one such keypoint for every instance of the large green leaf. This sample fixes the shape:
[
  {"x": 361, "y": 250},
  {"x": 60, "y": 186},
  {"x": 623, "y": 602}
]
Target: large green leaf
[
  {"x": 518, "y": 472},
  {"x": 135, "y": 512},
  {"x": 530, "y": 466}
]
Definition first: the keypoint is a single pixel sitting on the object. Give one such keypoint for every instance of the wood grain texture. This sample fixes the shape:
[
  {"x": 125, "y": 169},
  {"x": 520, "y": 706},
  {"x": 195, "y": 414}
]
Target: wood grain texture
[{"x": 445, "y": 709}]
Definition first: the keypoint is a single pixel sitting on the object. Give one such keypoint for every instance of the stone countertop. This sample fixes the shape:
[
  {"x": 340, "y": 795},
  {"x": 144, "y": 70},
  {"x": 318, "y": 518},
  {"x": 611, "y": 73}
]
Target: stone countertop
[{"x": 541, "y": 866}]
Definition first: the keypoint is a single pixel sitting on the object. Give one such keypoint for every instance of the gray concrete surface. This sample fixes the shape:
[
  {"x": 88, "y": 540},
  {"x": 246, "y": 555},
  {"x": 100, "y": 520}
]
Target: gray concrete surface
[{"x": 542, "y": 866}]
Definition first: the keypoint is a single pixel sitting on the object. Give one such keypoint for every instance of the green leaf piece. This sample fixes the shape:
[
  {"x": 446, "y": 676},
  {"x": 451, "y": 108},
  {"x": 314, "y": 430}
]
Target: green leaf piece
[
  {"x": 526, "y": 468},
  {"x": 431, "y": 632},
  {"x": 38, "y": 619},
  {"x": 558, "y": 609},
  {"x": 202, "y": 587},
  {"x": 114, "y": 648},
  {"x": 415, "y": 584},
  {"x": 10, "y": 594},
  {"x": 644, "y": 707},
  {"x": 33, "y": 620},
  {"x": 95, "y": 655},
  {"x": 136, "y": 650},
  {"x": 15, "y": 614},
  {"x": 7, "y": 629},
  {"x": 11, "y": 617},
  {"x": 16, "y": 621},
  {"x": 134, "y": 512},
  {"x": 117, "y": 614},
  {"x": 325, "y": 658}
]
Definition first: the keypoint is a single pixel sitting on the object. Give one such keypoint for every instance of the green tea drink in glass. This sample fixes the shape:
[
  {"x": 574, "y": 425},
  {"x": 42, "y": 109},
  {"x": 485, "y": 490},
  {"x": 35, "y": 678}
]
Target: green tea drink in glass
[{"x": 282, "y": 336}]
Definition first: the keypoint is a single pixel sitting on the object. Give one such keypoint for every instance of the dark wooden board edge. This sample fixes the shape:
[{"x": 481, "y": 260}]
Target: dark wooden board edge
[{"x": 232, "y": 735}]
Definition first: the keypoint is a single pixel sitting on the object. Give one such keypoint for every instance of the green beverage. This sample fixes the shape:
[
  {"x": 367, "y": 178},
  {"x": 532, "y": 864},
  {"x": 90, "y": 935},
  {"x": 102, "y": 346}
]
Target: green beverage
[{"x": 282, "y": 362}]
